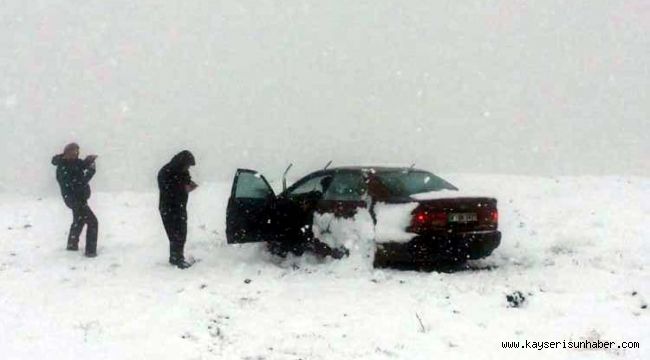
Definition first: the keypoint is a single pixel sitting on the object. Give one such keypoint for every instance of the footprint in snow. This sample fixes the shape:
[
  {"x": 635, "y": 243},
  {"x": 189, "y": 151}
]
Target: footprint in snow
[
  {"x": 246, "y": 301},
  {"x": 189, "y": 336}
]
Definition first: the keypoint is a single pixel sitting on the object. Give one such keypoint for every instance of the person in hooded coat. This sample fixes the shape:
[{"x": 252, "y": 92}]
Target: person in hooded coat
[
  {"x": 175, "y": 183},
  {"x": 73, "y": 176}
]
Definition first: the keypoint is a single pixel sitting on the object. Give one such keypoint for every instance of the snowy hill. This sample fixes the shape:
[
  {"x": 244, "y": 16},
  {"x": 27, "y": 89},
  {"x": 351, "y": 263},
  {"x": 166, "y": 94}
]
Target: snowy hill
[{"x": 577, "y": 249}]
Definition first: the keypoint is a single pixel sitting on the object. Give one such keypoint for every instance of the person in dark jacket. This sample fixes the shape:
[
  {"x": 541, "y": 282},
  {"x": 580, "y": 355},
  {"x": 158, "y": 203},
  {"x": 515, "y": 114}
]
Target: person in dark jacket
[
  {"x": 175, "y": 183},
  {"x": 73, "y": 176}
]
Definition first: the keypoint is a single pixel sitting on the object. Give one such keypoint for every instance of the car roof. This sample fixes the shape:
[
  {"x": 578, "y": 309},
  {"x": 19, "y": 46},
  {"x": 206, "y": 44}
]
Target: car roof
[
  {"x": 380, "y": 168},
  {"x": 354, "y": 169}
]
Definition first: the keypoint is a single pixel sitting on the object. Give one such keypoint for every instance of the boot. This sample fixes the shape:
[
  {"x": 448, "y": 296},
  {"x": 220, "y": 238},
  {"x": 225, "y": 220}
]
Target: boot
[
  {"x": 183, "y": 265},
  {"x": 179, "y": 263},
  {"x": 176, "y": 256}
]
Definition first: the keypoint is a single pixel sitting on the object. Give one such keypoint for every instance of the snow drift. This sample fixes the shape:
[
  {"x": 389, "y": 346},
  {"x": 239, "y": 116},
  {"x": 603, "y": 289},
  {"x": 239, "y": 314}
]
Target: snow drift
[{"x": 576, "y": 249}]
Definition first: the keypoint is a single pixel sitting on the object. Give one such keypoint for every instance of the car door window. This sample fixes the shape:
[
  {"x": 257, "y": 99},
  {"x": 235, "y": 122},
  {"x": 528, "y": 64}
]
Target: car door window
[
  {"x": 311, "y": 185},
  {"x": 407, "y": 183},
  {"x": 346, "y": 187},
  {"x": 252, "y": 186}
]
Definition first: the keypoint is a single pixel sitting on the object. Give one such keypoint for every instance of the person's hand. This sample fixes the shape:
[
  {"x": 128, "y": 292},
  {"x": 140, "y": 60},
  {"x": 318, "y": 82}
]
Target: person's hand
[
  {"x": 191, "y": 186},
  {"x": 90, "y": 159}
]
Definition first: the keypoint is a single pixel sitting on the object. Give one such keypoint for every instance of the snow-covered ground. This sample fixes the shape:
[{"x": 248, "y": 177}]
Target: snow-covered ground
[{"x": 578, "y": 249}]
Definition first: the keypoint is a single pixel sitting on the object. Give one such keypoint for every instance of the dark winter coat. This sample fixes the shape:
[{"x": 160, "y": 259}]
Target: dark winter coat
[
  {"x": 172, "y": 179},
  {"x": 73, "y": 176}
]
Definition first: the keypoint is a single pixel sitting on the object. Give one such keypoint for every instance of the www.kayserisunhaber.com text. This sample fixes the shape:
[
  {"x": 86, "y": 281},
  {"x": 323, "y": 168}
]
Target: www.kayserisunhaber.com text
[{"x": 570, "y": 344}]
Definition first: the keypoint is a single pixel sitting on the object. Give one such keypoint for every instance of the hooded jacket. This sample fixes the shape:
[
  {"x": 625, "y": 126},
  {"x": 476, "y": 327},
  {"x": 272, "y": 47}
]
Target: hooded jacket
[
  {"x": 73, "y": 176},
  {"x": 172, "y": 179}
]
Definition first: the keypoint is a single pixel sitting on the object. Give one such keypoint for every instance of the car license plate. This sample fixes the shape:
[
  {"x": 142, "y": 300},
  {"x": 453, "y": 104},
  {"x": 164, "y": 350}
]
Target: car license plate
[{"x": 463, "y": 217}]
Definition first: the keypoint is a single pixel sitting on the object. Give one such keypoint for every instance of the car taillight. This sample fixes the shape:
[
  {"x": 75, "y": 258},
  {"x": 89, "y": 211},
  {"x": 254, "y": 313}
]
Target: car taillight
[
  {"x": 494, "y": 216},
  {"x": 426, "y": 219},
  {"x": 421, "y": 218}
]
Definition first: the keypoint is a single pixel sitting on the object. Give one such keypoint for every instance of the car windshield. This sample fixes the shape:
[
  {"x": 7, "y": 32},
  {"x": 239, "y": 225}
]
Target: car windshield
[{"x": 405, "y": 183}]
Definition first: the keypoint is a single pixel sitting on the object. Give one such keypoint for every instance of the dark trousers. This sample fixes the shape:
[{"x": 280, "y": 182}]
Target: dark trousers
[
  {"x": 82, "y": 215},
  {"x": 175, "y": 222}
]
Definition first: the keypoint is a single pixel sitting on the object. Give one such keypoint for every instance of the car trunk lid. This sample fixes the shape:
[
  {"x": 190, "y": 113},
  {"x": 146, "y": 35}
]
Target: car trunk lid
[{"x": 455, "y": 214}]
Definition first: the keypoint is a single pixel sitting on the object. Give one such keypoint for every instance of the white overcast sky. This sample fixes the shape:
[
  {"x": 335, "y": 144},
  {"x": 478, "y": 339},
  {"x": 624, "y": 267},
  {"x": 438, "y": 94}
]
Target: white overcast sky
[{"x": 526, "y": 87}]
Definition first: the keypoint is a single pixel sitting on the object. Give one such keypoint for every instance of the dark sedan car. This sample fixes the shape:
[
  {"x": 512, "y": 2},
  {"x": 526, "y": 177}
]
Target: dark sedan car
[{"x": 448, "y": 228}]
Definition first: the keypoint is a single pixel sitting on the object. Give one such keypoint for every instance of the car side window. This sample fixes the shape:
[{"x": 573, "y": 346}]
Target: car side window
[
  {"x": 346, "y": 187},
  {"x": 311, "y": 185}
]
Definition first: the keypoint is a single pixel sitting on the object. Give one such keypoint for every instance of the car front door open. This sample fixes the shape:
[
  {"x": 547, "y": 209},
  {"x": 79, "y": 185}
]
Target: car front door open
[{"x": 249, "y": 217}]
